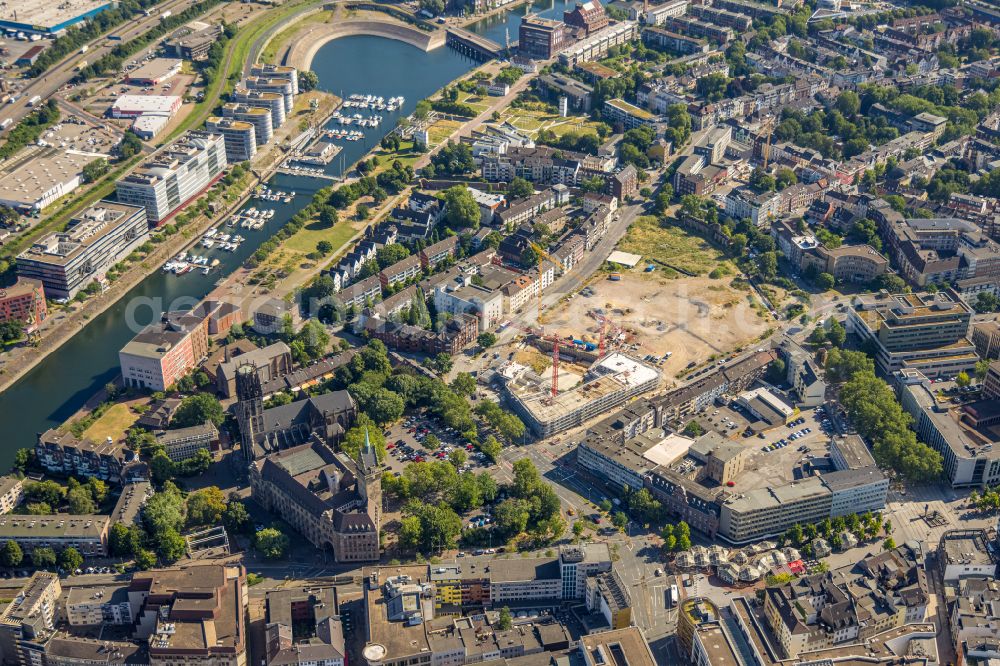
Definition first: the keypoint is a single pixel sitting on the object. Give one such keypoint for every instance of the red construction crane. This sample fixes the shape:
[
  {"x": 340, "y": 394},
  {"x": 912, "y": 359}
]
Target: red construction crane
[
  {"x": 605, "y": 323},
  {"x": 554, "y": 341}
]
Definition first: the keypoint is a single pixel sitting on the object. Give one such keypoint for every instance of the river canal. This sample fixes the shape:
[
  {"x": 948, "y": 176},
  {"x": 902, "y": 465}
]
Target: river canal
[{"x": 58, "y": 386}]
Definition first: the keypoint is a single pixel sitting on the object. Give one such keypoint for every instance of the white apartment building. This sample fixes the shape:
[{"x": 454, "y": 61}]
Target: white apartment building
[
  {"x": 467, "y": 298},
  {"x": 240, "y": 137},
  {"x": 283, "y": 72},
  {"x": 92, "y": 606},
  {"x": 11, "y": 492},
  {"x": 273, "y": 102},
  {"x": 257, "y": 116}
]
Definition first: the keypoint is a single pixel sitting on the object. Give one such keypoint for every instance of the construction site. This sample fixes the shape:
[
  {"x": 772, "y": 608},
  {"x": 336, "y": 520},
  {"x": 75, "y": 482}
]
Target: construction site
[
  {"x": 552, "y": 403},
  {"x": 667, "y": 323}
]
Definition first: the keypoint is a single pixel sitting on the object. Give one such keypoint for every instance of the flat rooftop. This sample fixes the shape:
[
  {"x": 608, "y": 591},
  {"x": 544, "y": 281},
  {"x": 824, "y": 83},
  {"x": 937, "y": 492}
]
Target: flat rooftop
[
  {"x": 614, "y": 373},
  {"x": 716, "y": 644},
  {"x": 157, "y": 68},
  {"x": 619, "y": 646},
  {"x": 157, "y": 339},
  {"x": 31, "y": 594},
  {"x": 965, "y": 547},
  {"x": 84, "y": 231},
  {"x": 97, "y": 595},
  {"x": 39, "y": 173},
  {"x": 398, "y": 638},
  {"x": 146, "y": 103},
  {"x": 630, "y": 109},
  {"x": 527, "y": 569},
  {"x": 907, "y": 309},
  {"x": 46, "y": 14},
  {"x": 776, "y": 496},
  {"x": 56, "y": 526},
  {"x": 854, "y": 451}
]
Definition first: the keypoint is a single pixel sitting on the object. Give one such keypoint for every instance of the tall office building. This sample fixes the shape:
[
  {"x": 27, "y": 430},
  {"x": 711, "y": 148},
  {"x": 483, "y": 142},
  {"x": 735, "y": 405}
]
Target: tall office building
[
  {"x": 175, "y": 175},
  {"x": 924, "y": 331},
  {"x": 281, "y": 87},
  {"x": 67, "y": 261},
  {"x": 283, "y": 72}
]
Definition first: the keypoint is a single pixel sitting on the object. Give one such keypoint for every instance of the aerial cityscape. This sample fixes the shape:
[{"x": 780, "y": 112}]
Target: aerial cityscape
[{"x": 501, "y": 332}]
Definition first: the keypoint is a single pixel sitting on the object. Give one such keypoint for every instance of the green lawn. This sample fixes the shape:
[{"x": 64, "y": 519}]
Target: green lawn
[
  {"x": 441, "y": 130},
  {"x": 672, "y": 245},
  {"x": 479, "y": 104},
  {"x": 113, "y": 423},
  {"x": 282, "y": 38},
  {"x": 305, "y": 240}
]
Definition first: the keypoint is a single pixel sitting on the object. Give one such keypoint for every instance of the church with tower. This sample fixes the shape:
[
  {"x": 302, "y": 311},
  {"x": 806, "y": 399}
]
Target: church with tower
[
  {"x": 324, "y": 417},
  {"x": 333, "y": 500}
]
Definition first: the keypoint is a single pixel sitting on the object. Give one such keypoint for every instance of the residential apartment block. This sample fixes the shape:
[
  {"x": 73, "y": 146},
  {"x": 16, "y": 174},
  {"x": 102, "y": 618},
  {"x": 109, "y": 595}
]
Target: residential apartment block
[
  {"x": 24, "y": 301},
  {"x": 541, "y": 165},
  {"x": 164, "y": 351},
  {"x": 277, "y": 72},
  {"x": 463, "y": 297},
  {"x": 257, "y": 116},
  {"x": 29, "y": 619},
  {"x": 88, "y": 534},
  {"x": 240, "y": 137},
  {"x": 11, "y": 493},
  {"x": 272, "y": 101},
  {"x": 63, "y": 454},
  {"x": 629, "y": 116},
  {"x": 94, "y": 606}
]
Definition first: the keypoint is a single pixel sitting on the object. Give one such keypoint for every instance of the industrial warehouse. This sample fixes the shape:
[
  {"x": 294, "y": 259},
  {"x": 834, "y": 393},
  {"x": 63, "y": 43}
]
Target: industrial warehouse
[{"x": 48, "y": 18}]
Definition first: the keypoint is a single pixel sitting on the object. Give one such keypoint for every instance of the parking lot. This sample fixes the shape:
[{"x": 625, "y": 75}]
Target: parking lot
[
  {"x": 779, "y": 455},
  {"x": 420, "y": 438}
]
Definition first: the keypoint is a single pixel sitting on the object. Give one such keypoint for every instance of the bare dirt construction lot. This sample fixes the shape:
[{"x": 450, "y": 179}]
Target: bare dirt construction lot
[{"x": 693, "y": 317}]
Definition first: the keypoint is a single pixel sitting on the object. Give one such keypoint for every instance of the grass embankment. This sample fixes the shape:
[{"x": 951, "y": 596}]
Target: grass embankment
[
  {"x": 673, "y": 246},
  {"x": 283, "y": 38}
]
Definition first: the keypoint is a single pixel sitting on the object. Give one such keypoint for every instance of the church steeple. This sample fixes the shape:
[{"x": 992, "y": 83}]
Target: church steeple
[
  {"x": 249, "y": 408},
  {"x": 367, "y": 458}
]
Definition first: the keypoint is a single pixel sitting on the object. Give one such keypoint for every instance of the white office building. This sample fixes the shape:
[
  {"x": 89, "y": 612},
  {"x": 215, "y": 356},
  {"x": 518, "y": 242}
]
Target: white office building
[
  {"x": 175, "y": 175},
  {"x": 67, "y": 261}
]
